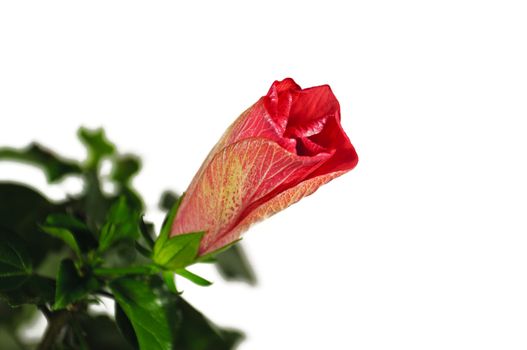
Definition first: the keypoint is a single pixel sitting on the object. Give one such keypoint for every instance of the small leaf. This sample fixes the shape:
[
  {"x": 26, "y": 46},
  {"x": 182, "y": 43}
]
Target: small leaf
[
  {"x": 200, "y": 281},
  {"x": 124, "y": 169},
  {"x": 145, "y": 312},
  {"x": 233, "y": 265},
  {"x": 82, "y": 236},
  {"x": 65, "y": 235},
  {"x": 97, "y": 144},
  {"x": 178, "y": 251},
  {"x": 54, "y": 167},
  {"x": 122, "y": 224},
  {"x": 71, "y": 286}
]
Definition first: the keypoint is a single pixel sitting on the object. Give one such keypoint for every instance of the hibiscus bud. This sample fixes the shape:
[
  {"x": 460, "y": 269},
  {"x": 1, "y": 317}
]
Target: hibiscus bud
[{"x": 281, "y": 149}]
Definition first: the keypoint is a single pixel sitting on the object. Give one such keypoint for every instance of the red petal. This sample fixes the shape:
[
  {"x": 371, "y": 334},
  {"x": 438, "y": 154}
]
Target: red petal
[{"x": 238, "y": 177}]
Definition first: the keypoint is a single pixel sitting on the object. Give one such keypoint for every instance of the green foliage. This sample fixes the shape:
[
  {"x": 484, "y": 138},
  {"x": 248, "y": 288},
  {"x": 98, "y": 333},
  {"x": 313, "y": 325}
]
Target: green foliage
[
  {"x": 122, "y": 224},
  {"x": 168, "y": 200},
  {"x": 193, "y": 331},
  {"x": 125, "y": 168},
  {"x": 22, "y": 209},
  {"x": 72, "y": 285},
  {"x": 97, "y": 332},
  {"x": 178, "y": 251},
  {"x": 200, "y": 281},
  {"x": 54, "y": 167},
  {"x": 97, "y": 144},
  {"x": 71, "y": 231},
  {"x": 146, "y": 315},
  {"x": 60, "y": 257},
  {"x": 65, "y": 235}
]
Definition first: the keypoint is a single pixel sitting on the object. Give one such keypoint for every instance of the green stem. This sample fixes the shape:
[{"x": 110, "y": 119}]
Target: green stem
[{"x": 133, "y": 270}]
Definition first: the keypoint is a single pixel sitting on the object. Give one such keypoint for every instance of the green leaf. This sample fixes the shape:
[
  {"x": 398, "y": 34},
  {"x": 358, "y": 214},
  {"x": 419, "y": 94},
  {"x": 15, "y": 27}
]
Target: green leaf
[
  {"x": 168, "y": 200},
  {"x": 65, "y": 235},
  {"x": 233, "y": 265},
  {"x": 125, "y": 326},
  {"x": 21, "y": 210},
  {"x": 54, "y": 167},
  {"x": 200, "y": 281},
  {"x": 97, "y": 144},
  {"x": 190, "y": 329},
  {"x": 78, "y": 234},
  {"x": 71, "y": 286},
  {"x": 35, "y": 289},
  {"x": 170, "y": 281},
  {"x": 100, "y": 333},
  {"x": 18, "y": 284},
  {"x": 15, "y": 263},
  {"x": 193, "y": 331},
  {"x": 178, "y": 251},
  {"x": 145, "y": 312},
  {"x": 125, "y": 168},
  {"x": 122, "y": 224}
]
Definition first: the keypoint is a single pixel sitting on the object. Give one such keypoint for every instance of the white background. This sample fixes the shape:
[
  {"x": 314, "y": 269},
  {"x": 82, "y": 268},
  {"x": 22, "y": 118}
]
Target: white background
[{"x": 422, "y": 246}]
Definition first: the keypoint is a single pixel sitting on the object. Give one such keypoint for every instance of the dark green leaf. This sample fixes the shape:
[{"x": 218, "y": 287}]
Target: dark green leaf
[
  {"x": 100, "y": 333},
  {"x": 124, "y": 169},
  {"x": 143, "y": 309},
  {"x": 168, "y": 200},
  {"x": 193, "y": 331},
  {"x": 21, "y": 210},
  {"x": 233, "y": 265},
  {"x": 200, "y": 281},
  {"x": 97, "y": 144},
  {"x": 15, "y": 263},
  {"x": 125, "y": 326},
  {"x": 34, "y": 290},
  {"x": 71, "y": 286},
  {"x": 190, "y": 329},
  {"x": 122, "y": 224},
  {"x": 178, "y": 251},
  {"x": 54, "y": 167}
]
